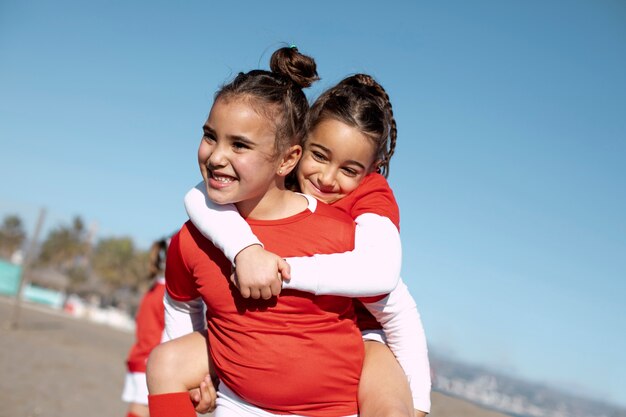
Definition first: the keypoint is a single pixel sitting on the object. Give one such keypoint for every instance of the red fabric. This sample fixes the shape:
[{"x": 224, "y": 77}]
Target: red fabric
[
  {"x": 176, "y": 404},
  {"x": 373, "y": 195},
  {"x": 129, "y": 414},
  {"x": 293, "y": 354},
  {"x": 150, "y": 322}
]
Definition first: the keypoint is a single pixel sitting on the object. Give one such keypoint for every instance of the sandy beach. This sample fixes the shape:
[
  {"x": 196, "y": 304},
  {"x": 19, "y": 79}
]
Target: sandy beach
[{"x": 54, "y": 365}]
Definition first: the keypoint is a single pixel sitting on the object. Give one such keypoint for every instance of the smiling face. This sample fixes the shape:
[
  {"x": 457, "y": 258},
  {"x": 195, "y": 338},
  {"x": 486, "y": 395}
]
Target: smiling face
[
  {"x": 237, "y": 155},
  {"x": 335, "y": 160}
]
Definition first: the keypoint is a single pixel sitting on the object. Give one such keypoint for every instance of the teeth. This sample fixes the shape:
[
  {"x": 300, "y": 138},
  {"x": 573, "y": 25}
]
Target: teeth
[{"x": 222, "y": 179}]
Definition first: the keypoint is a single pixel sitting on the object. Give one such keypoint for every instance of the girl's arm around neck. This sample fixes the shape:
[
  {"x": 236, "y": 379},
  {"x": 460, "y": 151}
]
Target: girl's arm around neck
[
  {"x": 372, "y": 268},
  {"x": 221, "y": 224}
]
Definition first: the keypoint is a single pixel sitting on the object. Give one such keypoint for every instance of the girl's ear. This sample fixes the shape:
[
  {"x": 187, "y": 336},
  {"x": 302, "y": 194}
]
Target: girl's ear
[
  {"x": 375, "y": 167},
  {"x": 290, "y": 160}
]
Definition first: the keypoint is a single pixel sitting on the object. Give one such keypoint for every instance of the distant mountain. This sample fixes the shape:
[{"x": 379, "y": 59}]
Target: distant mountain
[{"x": 511, "y": 395}]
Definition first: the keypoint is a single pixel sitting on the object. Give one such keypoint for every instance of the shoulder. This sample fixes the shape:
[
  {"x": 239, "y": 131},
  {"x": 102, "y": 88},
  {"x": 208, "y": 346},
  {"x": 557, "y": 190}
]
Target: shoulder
[
  {"x": 374, "y": 181},
  {"x": 330, "y": 223},
  {"x": 189, "y": 245},
  {"x": 156, "y": 287},
  {"x": 190, "y": 238},
  {"x": 154, "y": 296},
  {"x": 373, "y": 195},
  {"x": 329, "y": 213}
]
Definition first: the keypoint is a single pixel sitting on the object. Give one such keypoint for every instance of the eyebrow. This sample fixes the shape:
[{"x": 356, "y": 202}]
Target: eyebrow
[
  {"x": 233, "y": 138},
  {"x": 350, "y": 161},
  {"x": 207, "y": 129},
  {"x": 239, "y": 138}
]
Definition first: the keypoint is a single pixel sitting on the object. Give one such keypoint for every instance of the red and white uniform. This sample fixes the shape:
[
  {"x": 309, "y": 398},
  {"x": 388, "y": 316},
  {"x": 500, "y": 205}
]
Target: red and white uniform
[
  {"x": 372, "y": 196},
  {"x": 371, "y": 270},
  {"x": 149, "y": 327},
  {"x": 294, "y": 354}
]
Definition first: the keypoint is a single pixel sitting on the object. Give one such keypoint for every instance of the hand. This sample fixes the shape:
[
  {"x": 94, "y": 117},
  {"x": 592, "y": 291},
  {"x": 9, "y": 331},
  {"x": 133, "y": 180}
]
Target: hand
[
  {"x": 419, "y": 413},
  {"x": 259, "y": 273},
  {"x": 204, "y": 397}
]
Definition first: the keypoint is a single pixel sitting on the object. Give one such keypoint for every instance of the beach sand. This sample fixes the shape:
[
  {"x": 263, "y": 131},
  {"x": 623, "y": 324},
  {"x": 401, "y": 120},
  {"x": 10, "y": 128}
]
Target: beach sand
[{"x": 54, "y": 365}]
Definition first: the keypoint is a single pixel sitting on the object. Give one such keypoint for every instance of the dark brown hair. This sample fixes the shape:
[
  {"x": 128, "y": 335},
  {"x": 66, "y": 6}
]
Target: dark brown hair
[
  {"x": 158, "y": 252},
  {"x": 278, "y": 93},
  {"x": 361, "y": 102}
]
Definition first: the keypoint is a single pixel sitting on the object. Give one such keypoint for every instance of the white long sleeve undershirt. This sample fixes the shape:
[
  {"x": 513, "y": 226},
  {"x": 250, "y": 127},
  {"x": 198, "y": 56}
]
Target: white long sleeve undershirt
[
  {"x": 221, "y": 224},
  {"x": 372, "y": 268},
  {"x": 404, "y": 333},
  {"x": 182, "y": 318}
]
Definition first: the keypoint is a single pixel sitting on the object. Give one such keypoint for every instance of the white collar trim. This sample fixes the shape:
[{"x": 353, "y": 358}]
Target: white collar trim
[{"x": 312, "y": 202}]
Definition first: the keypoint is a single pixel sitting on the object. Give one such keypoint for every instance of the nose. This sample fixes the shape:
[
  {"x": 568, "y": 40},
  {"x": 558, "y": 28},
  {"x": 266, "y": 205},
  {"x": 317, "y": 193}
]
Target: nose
[
  {"x": 326, "y": 178},
  {"x": 218, "y": 156}
]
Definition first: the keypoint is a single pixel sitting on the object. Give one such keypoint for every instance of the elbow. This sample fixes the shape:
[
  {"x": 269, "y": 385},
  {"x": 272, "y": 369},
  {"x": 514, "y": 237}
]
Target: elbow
[{"x": 387, "y": 273}]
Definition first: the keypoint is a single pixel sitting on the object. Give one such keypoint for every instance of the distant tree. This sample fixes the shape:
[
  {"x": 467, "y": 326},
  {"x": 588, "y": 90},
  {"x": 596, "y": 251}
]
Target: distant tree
[
  {"x": 65, "y": 247},
  {"x": 78, "y": 275},
  {"x": 12, "y": 235},
  {"x": 119, "y": 264}
]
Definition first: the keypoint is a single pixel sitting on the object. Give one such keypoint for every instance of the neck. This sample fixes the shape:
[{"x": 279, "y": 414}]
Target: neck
[{"x": 275, "y": 204}]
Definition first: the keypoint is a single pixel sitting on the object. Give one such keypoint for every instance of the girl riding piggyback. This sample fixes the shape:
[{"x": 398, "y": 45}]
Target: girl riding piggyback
[
  {"x": 351, "y": 136},
  {"x": 299, "y": 353}
]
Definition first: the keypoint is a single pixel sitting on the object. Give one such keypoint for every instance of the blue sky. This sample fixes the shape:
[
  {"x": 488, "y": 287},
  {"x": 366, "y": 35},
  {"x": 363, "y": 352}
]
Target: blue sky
[{"x": 510, "y": 169}]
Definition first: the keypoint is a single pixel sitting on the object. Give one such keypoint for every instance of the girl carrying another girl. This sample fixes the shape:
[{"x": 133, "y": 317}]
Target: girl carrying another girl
[
  {"x": 351, "y": 134},
  {"x": 299, "y": 353}
]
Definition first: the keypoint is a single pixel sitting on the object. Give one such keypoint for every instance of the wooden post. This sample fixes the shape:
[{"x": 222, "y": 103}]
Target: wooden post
[{"x": 28, "y": 259}]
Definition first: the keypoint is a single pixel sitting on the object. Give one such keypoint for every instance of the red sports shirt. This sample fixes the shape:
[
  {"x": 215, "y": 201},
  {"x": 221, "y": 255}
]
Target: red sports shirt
[
  {"x": 293, "y": 354},
  {"x": 149, "y": 327},
  {"x": 373, "y": 195}
]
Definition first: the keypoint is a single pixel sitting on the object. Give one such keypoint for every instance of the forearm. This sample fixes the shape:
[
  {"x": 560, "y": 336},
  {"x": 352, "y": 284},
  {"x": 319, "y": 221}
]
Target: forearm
[
  {"x": 372, "y": 268},
  {"x": 182, "y": 318},
  {"x": 221, "y": 224},
  {"x": 401, "y": 322}
]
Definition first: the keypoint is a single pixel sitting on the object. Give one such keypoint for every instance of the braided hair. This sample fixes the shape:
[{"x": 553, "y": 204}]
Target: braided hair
[{"x": 361, "y": 102}]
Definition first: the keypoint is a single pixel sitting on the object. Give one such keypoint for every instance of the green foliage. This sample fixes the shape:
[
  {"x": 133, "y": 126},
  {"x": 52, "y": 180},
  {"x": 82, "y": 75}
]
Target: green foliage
[
  {"x": 78, "y": 275},
  {"x": 65, "y": 247},
  {"x": 119, "y": 264},
  {"x": 113, "y": 264},
  {"x": 12, "y": 235}
]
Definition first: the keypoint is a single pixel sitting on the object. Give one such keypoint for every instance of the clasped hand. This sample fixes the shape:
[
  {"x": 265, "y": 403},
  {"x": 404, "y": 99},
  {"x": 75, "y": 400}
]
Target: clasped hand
[{"x": 259, "y": 273}]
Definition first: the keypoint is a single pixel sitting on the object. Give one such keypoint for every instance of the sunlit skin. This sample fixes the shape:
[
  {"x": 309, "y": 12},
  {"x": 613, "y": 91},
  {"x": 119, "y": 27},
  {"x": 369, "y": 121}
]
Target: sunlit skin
[
  {"x": 238, "y": 162},
  {"x": 335, "y": 160}
]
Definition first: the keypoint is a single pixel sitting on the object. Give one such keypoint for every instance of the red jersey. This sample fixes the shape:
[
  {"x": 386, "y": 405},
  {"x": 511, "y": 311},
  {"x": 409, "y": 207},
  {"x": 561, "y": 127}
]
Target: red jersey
[
  {"x": 373, "y": 195},
  {"x": 150, "y": 322},
  {"x": 293, "y": 354}
]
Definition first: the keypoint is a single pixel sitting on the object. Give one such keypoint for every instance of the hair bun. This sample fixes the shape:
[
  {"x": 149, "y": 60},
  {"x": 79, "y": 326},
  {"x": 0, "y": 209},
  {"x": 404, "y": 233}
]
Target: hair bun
[
  {"x": 299, "y": 68},
  {"x": 363, "y": 79}
]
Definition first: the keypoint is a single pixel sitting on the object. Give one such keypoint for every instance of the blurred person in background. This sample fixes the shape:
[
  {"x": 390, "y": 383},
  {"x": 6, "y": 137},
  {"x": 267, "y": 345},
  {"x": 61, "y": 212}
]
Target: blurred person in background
[{"x": 150, "y": 324}]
